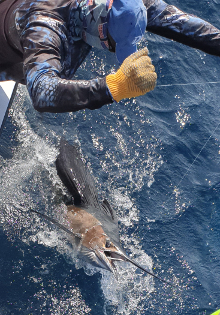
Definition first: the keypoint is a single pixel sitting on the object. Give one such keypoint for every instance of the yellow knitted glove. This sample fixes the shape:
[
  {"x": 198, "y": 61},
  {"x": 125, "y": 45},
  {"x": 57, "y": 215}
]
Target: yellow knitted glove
[{"x": 135, "y": 77}]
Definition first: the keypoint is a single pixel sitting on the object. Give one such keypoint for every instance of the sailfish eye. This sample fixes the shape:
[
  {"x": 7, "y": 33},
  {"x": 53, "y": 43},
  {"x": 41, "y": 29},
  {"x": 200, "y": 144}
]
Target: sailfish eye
[{"x": 108, "y": 244}]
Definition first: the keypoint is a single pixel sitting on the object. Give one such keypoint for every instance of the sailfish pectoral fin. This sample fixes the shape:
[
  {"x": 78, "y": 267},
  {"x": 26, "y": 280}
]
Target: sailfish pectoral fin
[{"x": 109, "y": 210}]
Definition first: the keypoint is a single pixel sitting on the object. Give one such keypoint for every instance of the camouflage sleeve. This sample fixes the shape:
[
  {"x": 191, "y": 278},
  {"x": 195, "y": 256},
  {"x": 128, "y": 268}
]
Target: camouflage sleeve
[
  {"x": 168, "y": 21},
  {"x": 46, "y": 63}
]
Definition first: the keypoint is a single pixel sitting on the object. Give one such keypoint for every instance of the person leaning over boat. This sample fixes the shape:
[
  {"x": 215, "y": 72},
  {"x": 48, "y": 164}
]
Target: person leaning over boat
[{"x": 43, "y": 42}]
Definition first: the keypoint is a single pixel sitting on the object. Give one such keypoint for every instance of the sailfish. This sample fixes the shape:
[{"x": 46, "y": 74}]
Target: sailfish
[{"x": 93, "y": 225}]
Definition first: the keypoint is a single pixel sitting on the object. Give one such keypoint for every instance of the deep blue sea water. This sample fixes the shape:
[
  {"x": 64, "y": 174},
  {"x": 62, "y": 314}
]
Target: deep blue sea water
[{"x": 157, "y": 160}]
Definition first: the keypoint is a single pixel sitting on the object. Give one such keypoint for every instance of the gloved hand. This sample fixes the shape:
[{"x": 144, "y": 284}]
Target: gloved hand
[{"x": 135, "y": 77}]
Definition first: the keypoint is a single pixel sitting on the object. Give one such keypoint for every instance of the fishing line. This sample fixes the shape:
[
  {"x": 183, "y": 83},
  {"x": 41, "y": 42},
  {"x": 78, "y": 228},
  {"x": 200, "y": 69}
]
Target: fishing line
[
  {"x": 192, "y": 83},
  {"x": 197, "y": 156},
  {"x": 212, "y": 135}
]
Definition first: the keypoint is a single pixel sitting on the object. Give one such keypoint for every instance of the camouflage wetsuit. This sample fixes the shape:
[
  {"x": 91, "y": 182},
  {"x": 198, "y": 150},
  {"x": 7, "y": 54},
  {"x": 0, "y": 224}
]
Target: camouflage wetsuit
[{"x": 42, "y": 48}]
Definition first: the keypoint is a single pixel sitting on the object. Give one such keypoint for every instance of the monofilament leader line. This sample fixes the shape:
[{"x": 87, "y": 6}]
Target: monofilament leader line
[
  {"x": 169, "y": 196},
  {"x": 180, "y": 84},
  {"x": 212, "y": 135},
  {"x": 177, "y": 186}
]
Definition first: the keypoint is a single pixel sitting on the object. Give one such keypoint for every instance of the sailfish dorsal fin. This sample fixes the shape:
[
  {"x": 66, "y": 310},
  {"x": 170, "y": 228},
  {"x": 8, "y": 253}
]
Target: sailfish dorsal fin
[{"x": 75, "y": 176}]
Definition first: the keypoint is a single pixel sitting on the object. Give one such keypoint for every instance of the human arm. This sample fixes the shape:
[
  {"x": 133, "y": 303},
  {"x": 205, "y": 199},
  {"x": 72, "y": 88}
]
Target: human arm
[
  {"x": 168, "y": 21},
  {"x": 46, "y": 60}
]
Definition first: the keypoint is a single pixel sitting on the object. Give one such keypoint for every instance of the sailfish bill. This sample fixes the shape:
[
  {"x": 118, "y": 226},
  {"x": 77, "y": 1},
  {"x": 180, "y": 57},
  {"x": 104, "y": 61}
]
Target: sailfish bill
[{"x": 93, "y": 225}]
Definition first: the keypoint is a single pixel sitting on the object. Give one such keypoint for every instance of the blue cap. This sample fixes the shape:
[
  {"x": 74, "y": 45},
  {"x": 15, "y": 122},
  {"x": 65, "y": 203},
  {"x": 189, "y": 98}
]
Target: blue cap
[{"x": 127, "y": 22}]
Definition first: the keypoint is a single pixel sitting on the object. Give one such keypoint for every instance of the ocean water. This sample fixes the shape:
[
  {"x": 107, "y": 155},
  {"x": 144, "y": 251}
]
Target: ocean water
[{"x": 155, "y": 158}]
